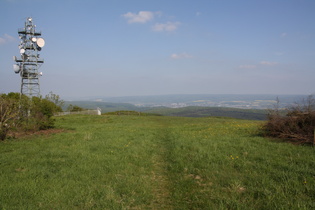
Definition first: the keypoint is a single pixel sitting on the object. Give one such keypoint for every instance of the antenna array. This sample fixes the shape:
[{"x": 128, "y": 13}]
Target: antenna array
[{"x": 29, "y": 62}]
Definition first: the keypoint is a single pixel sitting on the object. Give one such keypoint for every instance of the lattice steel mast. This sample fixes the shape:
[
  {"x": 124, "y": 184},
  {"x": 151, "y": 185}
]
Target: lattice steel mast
[{"x": 29, "y": 63}]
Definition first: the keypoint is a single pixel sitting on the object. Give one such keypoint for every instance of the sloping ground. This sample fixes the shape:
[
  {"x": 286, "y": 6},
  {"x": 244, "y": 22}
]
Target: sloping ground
[{"x": 151, "y": 162}]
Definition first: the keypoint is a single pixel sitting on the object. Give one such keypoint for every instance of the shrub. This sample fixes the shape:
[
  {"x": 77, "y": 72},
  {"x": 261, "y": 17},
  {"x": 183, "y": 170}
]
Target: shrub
[
  {"x": 20, "y": 113},
  {"x": 9, "y": 112},
  {"x": 296, "y": 125},
  {"x": 75, "y": 108}
]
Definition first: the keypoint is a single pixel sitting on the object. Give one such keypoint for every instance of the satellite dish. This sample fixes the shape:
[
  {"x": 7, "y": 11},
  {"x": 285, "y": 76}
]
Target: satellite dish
[
  {"x": 41, "y": 73},
  {"x": 34, "y": 39},
  {"x": 22, "y": 51},
  {"x": 16, "y": 68},
  {"x": 39, "y": 48},
  {"x": 14, "y": 58},
  {"x": 40, "y": 42}
]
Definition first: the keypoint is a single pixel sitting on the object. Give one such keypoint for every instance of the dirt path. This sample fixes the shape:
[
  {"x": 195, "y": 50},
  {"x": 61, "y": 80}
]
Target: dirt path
[{"x": 160, "y": 178}]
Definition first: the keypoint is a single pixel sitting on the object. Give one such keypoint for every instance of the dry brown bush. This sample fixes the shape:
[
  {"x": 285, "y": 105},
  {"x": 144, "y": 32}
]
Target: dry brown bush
[{"x": 296, "y": 125}]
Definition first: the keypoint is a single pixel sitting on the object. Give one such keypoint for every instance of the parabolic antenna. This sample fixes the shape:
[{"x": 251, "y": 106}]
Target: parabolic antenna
[
  {"x": 16, "y": 68},
  {"x": 34, "y": 39},
  {"x": 22, "y": 51},
  {"x": 14, "y": 58},
  {"x": 40, "y": 42}
]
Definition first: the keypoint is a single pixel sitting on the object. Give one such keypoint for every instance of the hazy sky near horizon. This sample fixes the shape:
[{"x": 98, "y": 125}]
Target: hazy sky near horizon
[{"x": 154, "y": 47}]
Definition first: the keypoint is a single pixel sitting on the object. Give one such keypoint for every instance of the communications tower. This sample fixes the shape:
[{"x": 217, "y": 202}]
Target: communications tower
[{"x": 29, "y": 62}]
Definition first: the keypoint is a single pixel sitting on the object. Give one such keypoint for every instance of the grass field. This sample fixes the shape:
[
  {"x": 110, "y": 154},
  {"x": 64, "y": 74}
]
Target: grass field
[{"x": 154, "y": 162}]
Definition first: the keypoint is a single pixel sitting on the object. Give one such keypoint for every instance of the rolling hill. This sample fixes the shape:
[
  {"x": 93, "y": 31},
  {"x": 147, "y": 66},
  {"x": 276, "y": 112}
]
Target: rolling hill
[{"x": 191, "y": 111}]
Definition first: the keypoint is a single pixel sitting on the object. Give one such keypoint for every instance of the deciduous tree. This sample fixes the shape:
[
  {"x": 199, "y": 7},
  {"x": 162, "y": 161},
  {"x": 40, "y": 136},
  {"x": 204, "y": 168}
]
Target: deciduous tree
[{"x": 9, "y": 111}]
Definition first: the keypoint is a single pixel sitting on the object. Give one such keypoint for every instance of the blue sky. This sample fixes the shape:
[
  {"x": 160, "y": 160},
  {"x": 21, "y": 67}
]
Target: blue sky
[{"x": 154, "y": 47}]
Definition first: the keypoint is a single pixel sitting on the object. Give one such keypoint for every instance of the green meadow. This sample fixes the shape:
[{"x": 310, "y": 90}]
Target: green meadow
[{"x": 155, "y": 162}]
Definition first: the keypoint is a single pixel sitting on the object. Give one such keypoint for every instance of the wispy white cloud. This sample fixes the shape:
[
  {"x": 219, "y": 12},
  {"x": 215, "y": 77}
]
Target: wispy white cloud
[
  {"x": 6, "y": 38},
  {"x": 268, "y": 63},
  {"x": 180, "y": 56},
  {"x": 146, "y": 16},
  {"x": 260, "y": 64},
  {"x": 2, "y": 40},
  {"x": 9, "y": 38},
  {"x": 247, "y": 66},
  {"x": 141, "y": 17},
  {"x": 169, "y": 26}
]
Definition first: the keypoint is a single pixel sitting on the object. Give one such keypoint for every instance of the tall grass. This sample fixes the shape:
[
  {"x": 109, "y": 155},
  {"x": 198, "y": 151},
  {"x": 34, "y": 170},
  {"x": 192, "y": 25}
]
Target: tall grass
[{"x": 150, "y": 162}]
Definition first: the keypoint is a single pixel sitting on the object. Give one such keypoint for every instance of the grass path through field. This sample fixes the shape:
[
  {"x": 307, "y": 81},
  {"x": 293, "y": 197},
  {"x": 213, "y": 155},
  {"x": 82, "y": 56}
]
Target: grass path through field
[
  {"x": 161, "y": 180},
  {"x": 150, "y": 162}
]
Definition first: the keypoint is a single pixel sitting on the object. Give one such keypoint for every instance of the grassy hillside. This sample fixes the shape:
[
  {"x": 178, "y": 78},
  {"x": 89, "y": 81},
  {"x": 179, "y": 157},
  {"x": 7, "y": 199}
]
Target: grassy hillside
[
  {"x": 152, "y": 162},
  {"x": 195, "y": 111}
]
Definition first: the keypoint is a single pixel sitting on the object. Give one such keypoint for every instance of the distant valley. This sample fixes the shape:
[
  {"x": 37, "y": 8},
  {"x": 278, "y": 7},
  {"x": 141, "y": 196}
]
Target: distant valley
[
  {"x": 204, "y": 100},
  {"x": 196, "y": 105}
]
